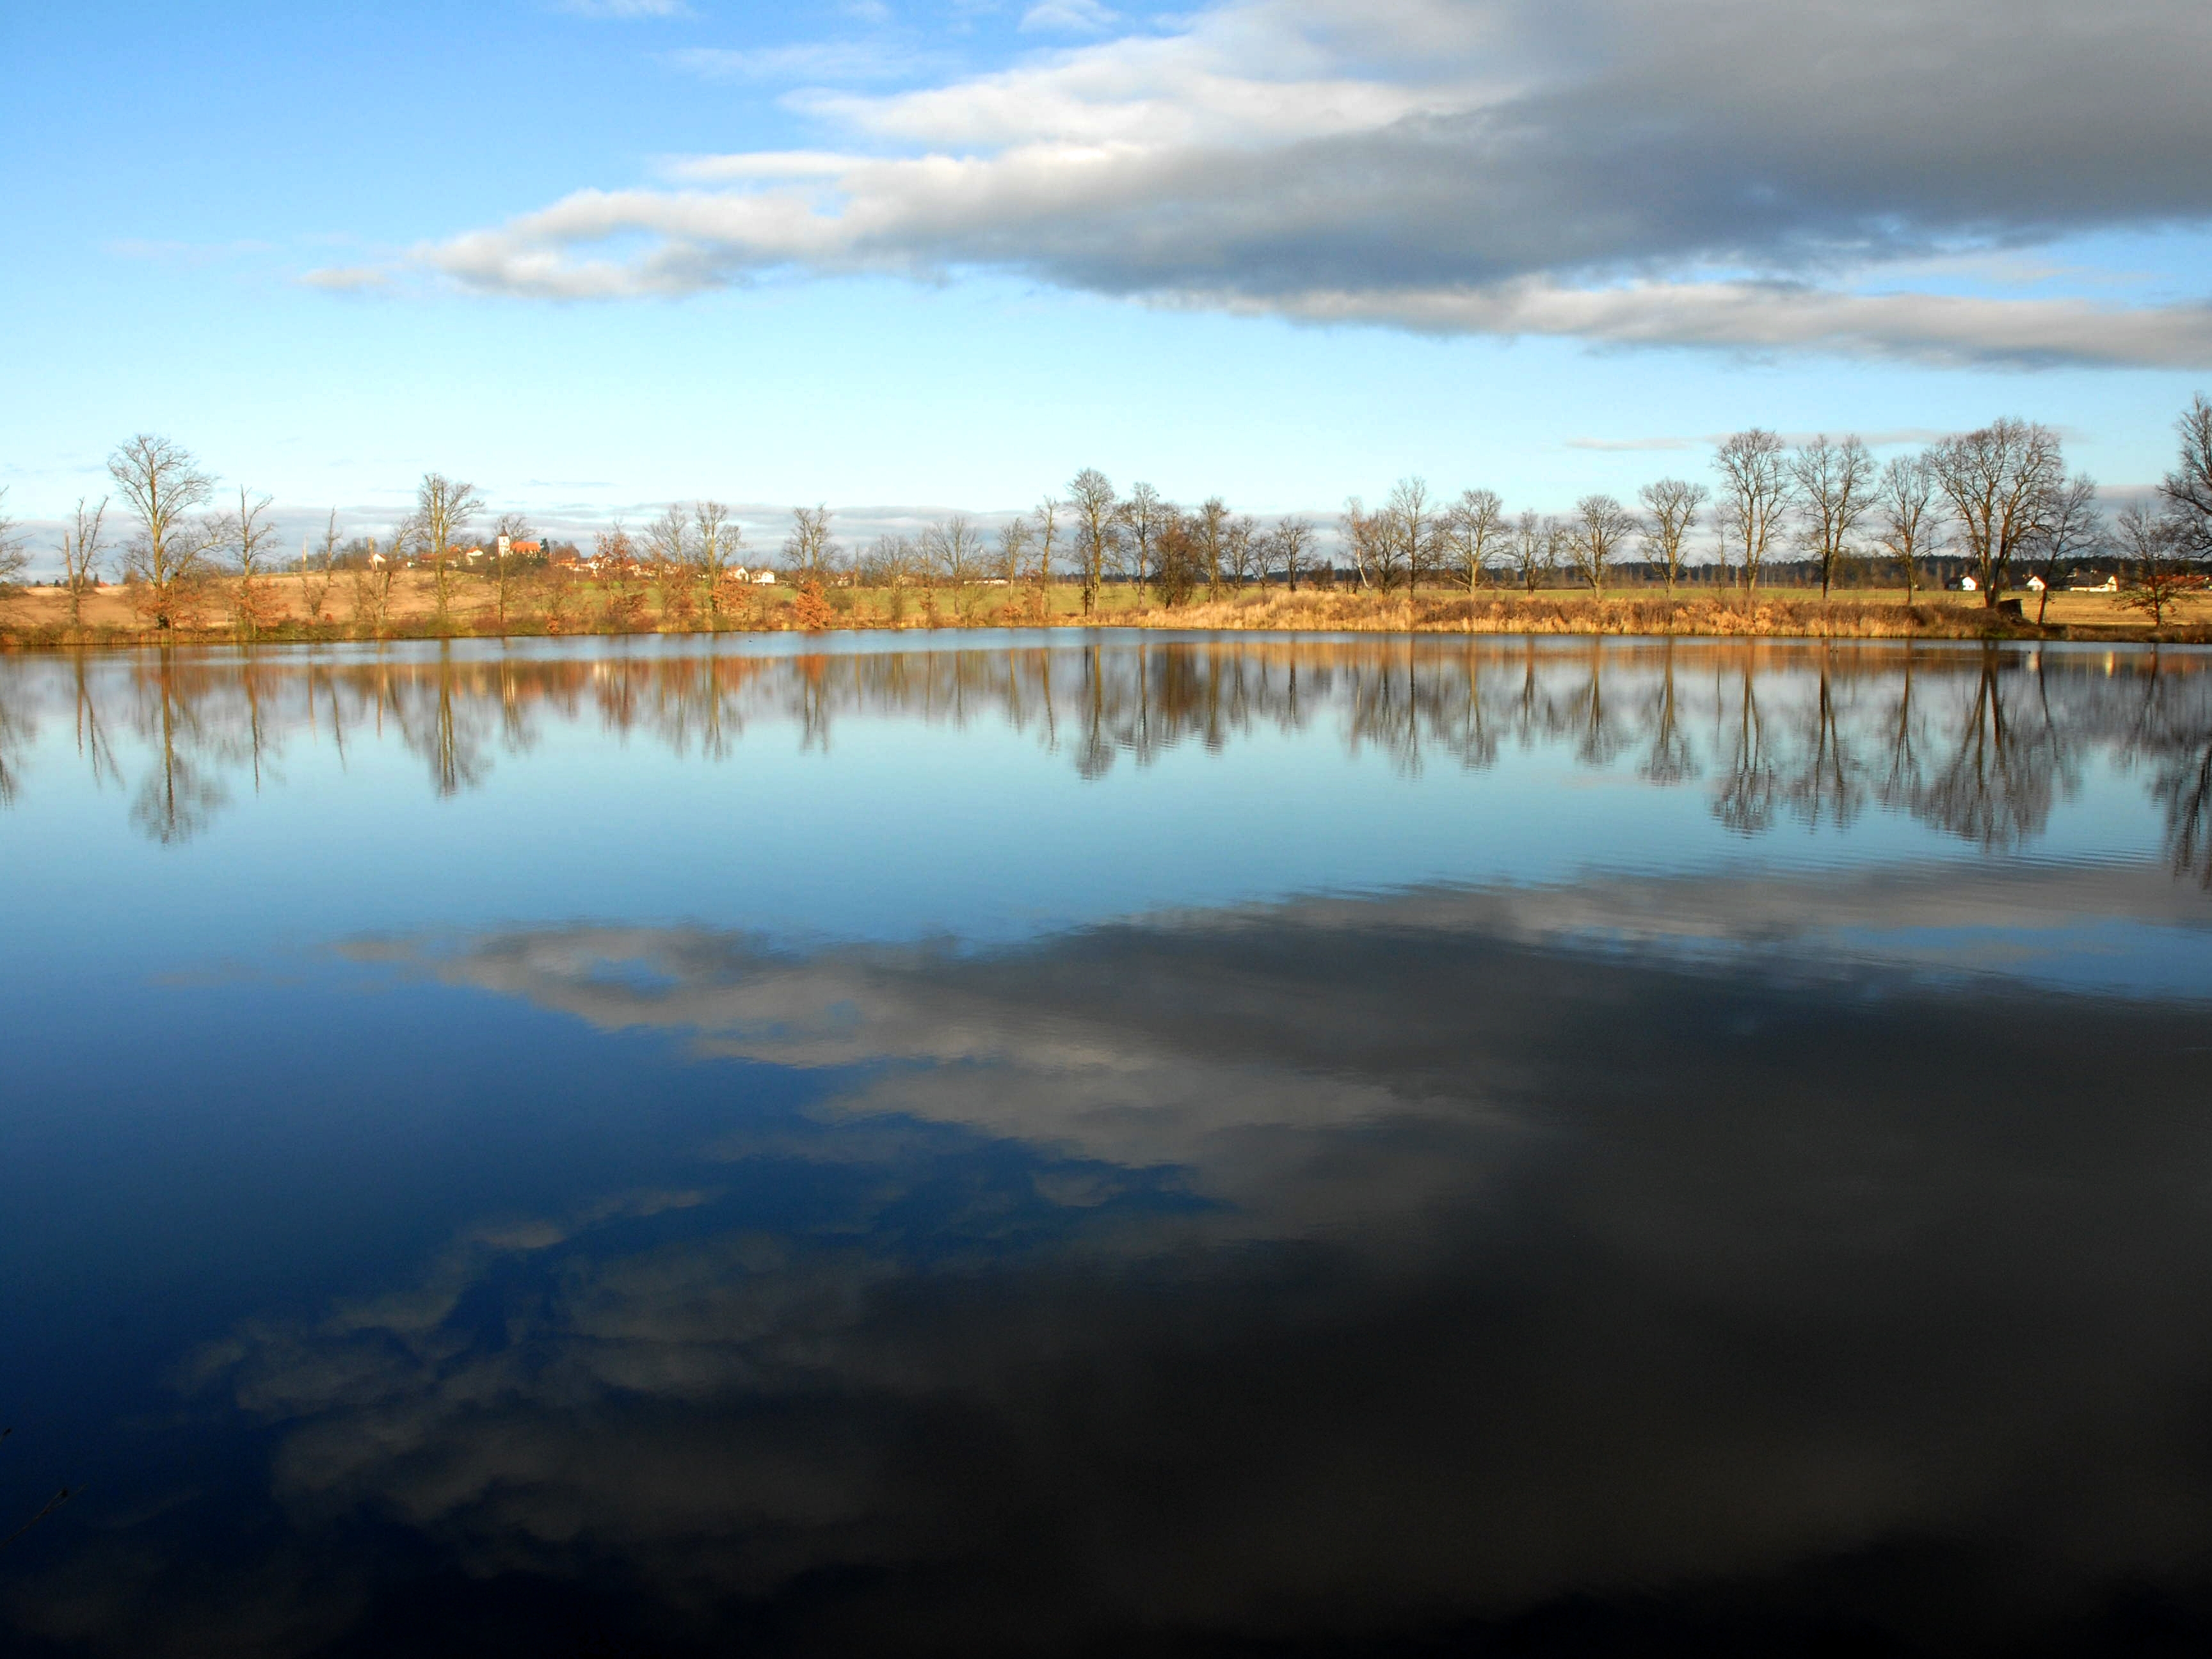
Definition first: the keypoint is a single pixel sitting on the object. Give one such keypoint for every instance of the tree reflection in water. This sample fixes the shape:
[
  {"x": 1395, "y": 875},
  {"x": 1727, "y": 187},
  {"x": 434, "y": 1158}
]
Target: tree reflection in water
[
  {"x": 2171, "y": 737},
  {"x": 182, "y": 713},
  {"x": 1981, "y": 742},
  {"x": 1277, "y": 1272}
]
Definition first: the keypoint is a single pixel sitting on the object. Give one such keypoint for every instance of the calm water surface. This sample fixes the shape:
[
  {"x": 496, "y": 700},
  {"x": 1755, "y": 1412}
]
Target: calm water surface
[{"x": 1115, "y": 1145}]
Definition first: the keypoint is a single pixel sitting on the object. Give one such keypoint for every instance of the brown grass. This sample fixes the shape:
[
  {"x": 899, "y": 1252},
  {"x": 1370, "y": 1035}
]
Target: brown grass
[
  {"x": 1867, "y": 614},
  {"x": 39, "y": 616}
]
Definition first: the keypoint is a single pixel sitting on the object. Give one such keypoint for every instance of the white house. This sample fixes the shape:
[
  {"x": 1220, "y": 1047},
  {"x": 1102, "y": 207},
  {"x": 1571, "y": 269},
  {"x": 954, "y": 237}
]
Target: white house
[
  {"x": 1968, "y": 585},
  {"x": 766, "y": 577},
  {"x": 2035, "y": 584}
]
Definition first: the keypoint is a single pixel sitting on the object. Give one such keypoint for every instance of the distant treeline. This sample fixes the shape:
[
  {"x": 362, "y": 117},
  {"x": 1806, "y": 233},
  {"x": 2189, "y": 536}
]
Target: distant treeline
[{"x": 1995, "y": 506}]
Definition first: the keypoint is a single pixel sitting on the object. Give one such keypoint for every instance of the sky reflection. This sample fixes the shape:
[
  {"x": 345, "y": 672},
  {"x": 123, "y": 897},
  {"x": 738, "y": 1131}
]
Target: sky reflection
[{"x": 1667, "y": 1251}]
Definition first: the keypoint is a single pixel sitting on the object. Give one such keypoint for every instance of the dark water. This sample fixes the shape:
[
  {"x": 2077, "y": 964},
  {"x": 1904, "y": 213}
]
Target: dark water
[{"x": 1150, "y": 1146}]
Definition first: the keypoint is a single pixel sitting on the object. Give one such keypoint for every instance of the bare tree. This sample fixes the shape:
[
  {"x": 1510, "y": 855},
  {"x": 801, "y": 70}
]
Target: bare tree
[
  {"x": 615, "y": 559},
  {"x": 666, "y": 544},
  {"x": 1355, "y": 534},
  {"x": 1091, "y": 502},
  {"x": 1754, "y": 497},
  {"x": 443, "y": 507},
  {"x": 1181, "y": 559},
  {"x": 1048, "y": 531},
  {"x": 511, "y": 532},
  {"x": 2187, "y": 488},
  {"x": 1998, "y": 481},
  {"x": 1835, "y": 486},
  {"x": 891, "y": 564},
  {"x": 162, "y": 483},
  {"x": 82, "y": 543},
  {"x": 955, "y": 552},
  {"x": 1143, "y": 514},
  {"x": 1211, "y": 525},
  {"x": 1241, "y": 550},
  {"x": 15, "y": 557},
  {"x": 888, "y": 562},
  {"x": 1473, "y": 529},
  {"x": 401, "y": 543},
  {"x": 1559, "y": 543},
  {"x": 372, "y": 579},
  {"x": 1264, "y": 554},
  {"x": 1531, "y": 549},
  {"x": 1908, "y": 511},
  {"x": 2151, "y": 540},
  {"x": 668, "y": 538},
  {"x": 716, "y": 540},
  {"x": 1412, "y": 520},
  {"x": 315, "y": 568},
  {"x": 249, "y": 541},
  {"x": 1010, "y": 560},
  {"x": 1601, "y": 525},
  {"x": 248, "y": 536},
  {"x": 1372, "y": 542},
  {"x": 2073, "y": 528},
  {"x": 810, "y": 550},
  {"x": 1293, "y": 540},
  {"x": 1671, "y": 508}
]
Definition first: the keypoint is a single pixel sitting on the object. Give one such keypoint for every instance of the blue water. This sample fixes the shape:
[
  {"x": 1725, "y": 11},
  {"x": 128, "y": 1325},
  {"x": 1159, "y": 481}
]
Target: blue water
[{"x": 1116, "y": 1143}]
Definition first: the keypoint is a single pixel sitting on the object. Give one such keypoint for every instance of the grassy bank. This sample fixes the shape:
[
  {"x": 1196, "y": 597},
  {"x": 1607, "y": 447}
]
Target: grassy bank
[
  {"x": 1872, "y": 614},
  {"x": 41, "y": 617}
]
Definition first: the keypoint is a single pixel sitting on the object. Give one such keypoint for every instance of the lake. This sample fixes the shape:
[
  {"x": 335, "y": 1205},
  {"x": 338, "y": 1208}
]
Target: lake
[{"x": 1107, "y": 1144}]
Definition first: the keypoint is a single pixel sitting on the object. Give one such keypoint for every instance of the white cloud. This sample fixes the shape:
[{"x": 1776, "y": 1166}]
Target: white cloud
[
  {"x": 1502, "y": 167},
  {"x": 348, "y": 279},
  {"x": 1943, "y": 329},
  {"x": 1632, "y": 446},
  {"x": 1886, "y": 438}
]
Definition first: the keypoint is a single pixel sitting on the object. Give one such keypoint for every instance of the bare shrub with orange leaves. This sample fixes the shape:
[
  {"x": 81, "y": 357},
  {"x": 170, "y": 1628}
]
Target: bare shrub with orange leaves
[
  {"x": 810, "y": 610},
  {"x": 255, "y": 606},
  {"x": 737, "y": 601},
  {"x": 180, "y": 605}
]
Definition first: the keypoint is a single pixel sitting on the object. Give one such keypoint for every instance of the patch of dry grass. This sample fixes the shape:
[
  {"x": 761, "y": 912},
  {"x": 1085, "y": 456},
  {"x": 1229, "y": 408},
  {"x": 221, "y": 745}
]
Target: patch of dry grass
[
  {"x": 1722, "y": 615},
  {"x": 39, "y": 616}
]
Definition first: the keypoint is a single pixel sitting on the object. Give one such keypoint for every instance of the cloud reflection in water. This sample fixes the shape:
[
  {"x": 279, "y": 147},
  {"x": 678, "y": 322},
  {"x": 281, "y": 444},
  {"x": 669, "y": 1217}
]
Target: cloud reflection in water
[
  {"x": 1732, "y": 1244},
  {"x": 1338, "y": 1269}
]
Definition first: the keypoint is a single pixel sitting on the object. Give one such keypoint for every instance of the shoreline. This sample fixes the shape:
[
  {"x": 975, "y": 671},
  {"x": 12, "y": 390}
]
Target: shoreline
[{"x": 1859, "y": 614}]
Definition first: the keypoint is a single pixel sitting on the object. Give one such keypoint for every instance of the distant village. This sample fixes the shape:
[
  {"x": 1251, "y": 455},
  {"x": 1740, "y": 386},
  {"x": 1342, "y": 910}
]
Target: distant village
[{"x": 567, "y": 557}]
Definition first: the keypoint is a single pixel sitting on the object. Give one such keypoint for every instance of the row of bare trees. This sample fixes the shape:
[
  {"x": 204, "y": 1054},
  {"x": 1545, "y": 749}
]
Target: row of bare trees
[
  {"x": 1092, "y": 534},
  {"x": 1097, "y": 535},
  {"x": 181, "y": 549},
  {"x": 181, "y": 545},
  {"x": 1998, "y": 498}
]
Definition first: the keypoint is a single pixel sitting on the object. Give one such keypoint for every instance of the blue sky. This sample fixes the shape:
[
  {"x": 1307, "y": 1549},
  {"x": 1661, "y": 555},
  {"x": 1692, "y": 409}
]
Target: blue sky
[{"x": 901, "y": 258}]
